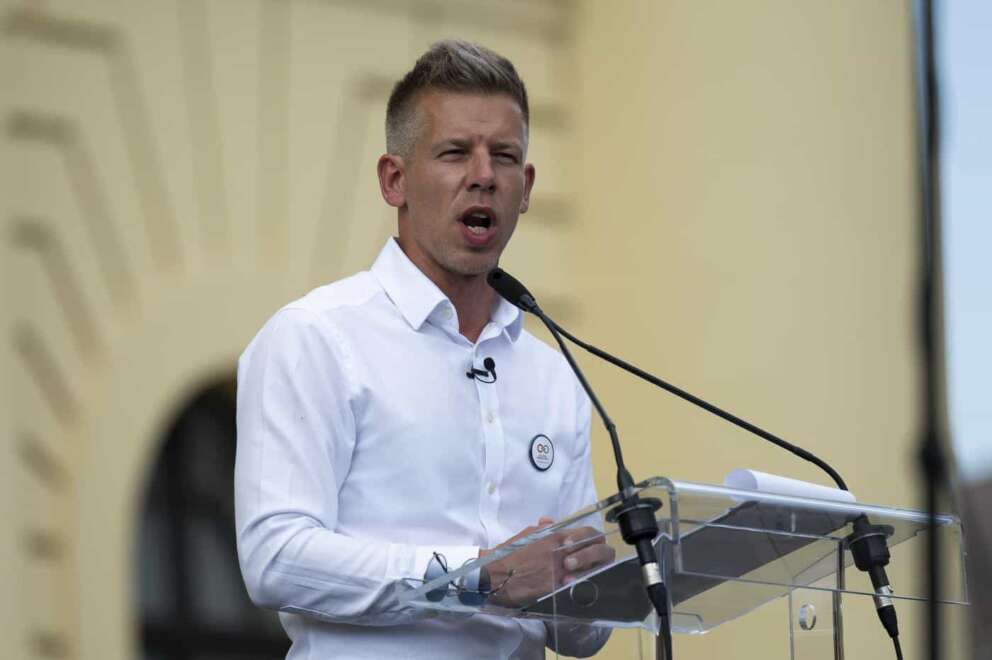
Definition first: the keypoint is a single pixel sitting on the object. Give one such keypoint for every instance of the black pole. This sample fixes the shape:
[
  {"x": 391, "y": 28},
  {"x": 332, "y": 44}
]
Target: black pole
[{"x": 931, "y": 450}]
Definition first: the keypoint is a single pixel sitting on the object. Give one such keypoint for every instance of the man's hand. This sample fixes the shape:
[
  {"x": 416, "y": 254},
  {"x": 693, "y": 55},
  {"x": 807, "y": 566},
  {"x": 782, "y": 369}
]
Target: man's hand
[{"x": 543, "y": 566}]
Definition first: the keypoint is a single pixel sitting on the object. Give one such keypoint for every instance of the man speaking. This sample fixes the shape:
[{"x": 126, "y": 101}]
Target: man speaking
[{"x": 401, "y": 420}]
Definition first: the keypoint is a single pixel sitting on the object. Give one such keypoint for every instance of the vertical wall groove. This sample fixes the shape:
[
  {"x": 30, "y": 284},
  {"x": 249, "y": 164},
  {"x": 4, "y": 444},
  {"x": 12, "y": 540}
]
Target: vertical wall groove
[
  {"x": 110, "y": 45},
  {"x": 204, "y": 121},
  {"x": 274, "y": 93},
  {"x": 89, "y": 74},
  {"x": 62, "y": 135}
]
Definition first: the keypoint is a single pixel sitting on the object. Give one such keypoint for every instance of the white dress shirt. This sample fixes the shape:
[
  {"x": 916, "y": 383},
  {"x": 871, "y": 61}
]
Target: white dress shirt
[{"x": 363, "y": 449}]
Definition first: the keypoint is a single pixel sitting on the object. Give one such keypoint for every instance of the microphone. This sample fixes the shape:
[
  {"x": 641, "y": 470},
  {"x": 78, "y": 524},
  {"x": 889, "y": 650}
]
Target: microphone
[
  {"x": 487, "y": 375},
  {"x": 516, "y": 293},
  {"x": 634, "y": 516},
  {"x": 867, "y": 541},
  {"x": 871, "y": 555},
  {"x": 512, "y": 290}
]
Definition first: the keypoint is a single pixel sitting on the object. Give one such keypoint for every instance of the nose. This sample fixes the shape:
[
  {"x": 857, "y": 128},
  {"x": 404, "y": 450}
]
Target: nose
[{"x": 481, "y": 176}]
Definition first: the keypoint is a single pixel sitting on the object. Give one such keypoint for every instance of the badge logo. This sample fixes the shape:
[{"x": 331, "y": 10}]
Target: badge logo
[{"x": 542, "y": 452}]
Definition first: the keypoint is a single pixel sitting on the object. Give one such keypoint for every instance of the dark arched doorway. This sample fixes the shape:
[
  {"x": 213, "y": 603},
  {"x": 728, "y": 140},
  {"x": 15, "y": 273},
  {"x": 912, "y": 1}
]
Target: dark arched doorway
[{"x": 191, "y": 598}]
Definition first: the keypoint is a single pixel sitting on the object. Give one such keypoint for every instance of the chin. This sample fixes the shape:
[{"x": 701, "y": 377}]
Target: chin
[{"x": 473, "y": 267}]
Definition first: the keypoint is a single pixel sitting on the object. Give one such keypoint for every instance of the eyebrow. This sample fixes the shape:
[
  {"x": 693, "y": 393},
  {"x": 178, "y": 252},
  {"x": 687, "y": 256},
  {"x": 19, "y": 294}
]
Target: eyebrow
[
  {"x": 465, "y": 143},
  {"x": 507, "y": 145}
]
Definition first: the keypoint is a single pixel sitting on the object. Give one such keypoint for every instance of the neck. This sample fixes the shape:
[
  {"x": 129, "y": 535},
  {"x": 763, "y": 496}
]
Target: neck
[{"x": 472, "y": 297}]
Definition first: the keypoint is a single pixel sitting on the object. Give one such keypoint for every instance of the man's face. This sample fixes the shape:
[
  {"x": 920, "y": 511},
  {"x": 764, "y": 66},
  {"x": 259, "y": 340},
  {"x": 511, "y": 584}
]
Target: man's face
[{"x": 465, "y": 183}]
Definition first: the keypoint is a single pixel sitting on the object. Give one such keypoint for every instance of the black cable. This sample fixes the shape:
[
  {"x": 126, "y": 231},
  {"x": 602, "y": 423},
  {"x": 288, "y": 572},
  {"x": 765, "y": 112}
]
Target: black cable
[
  {"x": 867, "y": 542},
  {"x": 624, "y": 480},
  {"x": 895, "y": 642},
  {"x": 634, "y": 516},
  {"x": 666, "y": 640},
  {"x": 658, "y": 594},
  {"x": 709, "y": 407}
]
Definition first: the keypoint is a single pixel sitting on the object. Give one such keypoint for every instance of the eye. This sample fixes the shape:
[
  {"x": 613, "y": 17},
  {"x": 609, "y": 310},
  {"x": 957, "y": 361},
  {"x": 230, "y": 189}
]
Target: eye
[
  {"x": 507, "y": 157},
  {"x": 451, "y": 154}
]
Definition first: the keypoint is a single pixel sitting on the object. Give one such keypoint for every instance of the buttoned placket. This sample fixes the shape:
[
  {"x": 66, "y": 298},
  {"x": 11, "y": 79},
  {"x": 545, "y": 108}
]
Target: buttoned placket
[{"x": 493, "y": 445}]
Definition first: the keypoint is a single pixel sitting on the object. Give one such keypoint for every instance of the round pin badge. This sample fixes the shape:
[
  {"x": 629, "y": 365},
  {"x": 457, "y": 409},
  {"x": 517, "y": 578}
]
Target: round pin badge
[{"x": 542, "y": 452}]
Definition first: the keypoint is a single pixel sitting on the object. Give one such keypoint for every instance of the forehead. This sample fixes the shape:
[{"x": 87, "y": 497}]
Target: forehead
[{"x": 446, "y": 114}]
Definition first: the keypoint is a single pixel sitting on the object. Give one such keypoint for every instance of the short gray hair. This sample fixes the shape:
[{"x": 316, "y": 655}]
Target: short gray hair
[{"x": 452, "y": 65}]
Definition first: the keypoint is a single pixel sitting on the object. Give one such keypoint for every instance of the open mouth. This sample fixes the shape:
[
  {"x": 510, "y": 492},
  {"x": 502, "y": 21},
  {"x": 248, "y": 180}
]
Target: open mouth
[{"x": 477, "y": 221}]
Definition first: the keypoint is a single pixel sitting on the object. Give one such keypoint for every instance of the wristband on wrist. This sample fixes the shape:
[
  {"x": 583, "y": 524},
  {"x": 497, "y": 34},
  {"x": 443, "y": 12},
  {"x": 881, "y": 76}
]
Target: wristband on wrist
[{"x": 473, "y": 587}]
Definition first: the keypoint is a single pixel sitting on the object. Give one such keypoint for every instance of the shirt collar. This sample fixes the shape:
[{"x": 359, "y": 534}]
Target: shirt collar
[{"x": 417, "y": 297}]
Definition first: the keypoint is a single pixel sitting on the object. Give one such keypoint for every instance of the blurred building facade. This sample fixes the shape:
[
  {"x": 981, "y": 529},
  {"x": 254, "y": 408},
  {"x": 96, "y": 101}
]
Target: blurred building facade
[{"x": 725, "y": 194}]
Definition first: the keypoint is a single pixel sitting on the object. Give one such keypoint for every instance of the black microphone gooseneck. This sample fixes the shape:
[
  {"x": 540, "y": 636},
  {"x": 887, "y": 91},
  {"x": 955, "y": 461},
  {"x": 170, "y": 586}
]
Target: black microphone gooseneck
[
  {"x": 709, "y": 407},
  {"x": 634, "y": 516},
  {"x": 867, "y": 542}
]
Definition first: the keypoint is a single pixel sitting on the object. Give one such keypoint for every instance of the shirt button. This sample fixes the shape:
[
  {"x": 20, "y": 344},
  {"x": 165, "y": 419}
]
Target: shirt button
[
  {"x": 446, "y": 313},
  {"x": 490, "y": 417},
  {"x": 492, "y": 488}
]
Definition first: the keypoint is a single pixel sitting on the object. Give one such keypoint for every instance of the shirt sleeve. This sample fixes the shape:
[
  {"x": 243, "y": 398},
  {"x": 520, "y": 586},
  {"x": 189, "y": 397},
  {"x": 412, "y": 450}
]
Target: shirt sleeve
[
  {"x": 578, "y": 491},
  {"x": 296, "y": 435}
]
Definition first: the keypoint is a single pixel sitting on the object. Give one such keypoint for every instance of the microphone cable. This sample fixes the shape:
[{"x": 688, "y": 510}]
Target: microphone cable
[
  {"x": 634, "y": 516},
  {"x": 867, "y": 542},
  {"x": 709, "y": 407}
]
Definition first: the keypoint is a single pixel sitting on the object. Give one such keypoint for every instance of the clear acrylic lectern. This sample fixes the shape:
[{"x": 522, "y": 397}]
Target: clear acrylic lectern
[{"x": 723, "y": 553}]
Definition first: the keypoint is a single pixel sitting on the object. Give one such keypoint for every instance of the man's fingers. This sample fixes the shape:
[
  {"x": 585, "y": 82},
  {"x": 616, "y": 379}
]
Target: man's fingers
[
  {"x": 583, "y": 537},
  {"x": 525, "y": 532},
  {"x": 591, "y": 556},
  {"x": 542, "y": 522},
  {"x": 582, "y": 533}
]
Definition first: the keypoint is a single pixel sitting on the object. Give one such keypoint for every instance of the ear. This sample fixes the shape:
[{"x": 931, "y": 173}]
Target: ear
[
  {"x": 529, "y": 174},
  {"x": 392, "y": 179}
]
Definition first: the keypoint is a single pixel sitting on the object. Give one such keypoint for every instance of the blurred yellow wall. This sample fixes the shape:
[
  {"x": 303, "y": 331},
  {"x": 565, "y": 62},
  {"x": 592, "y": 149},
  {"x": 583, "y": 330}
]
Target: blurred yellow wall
[
  {"x": 748, "y": 231},
  {"x": 724, "y": 195}
]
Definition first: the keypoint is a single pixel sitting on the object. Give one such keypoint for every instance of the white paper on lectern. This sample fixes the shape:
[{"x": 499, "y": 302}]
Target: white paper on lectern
[{"x": 743, "y": 479}]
